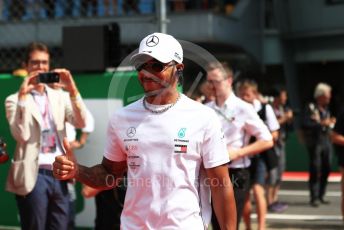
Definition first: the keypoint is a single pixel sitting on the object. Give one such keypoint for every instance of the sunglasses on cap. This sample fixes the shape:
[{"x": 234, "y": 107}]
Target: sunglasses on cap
[{"x": 156, "y": 67}]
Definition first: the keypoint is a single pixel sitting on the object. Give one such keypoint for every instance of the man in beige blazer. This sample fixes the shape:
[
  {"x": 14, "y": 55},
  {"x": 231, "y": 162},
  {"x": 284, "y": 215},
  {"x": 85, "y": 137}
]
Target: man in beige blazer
[{"x": 37, "y": 115}]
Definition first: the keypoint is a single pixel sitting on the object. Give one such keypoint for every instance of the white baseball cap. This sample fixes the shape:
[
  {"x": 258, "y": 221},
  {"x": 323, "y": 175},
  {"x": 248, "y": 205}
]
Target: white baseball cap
[{"x": 162, "y": 47}]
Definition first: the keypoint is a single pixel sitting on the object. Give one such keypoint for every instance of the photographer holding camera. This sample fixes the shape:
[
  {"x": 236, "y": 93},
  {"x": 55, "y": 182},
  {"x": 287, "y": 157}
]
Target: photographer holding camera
[{"x": 37, "y": 115}]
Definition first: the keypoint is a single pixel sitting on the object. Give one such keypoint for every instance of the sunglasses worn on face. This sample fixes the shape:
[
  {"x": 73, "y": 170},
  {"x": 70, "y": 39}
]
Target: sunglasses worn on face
[{"x": 156, "y": 67}]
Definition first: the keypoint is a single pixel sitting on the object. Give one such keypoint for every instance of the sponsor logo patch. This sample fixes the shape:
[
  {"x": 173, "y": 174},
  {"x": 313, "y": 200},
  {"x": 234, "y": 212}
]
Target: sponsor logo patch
[{"x": 180, "y": 148}]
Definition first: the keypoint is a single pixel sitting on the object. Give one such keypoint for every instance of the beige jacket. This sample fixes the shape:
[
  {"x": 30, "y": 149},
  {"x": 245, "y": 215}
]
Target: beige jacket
[{"x": 25, "y": 125}]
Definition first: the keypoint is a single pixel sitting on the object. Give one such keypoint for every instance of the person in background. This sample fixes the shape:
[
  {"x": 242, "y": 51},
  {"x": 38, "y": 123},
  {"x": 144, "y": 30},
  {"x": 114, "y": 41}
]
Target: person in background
[
  {"x": 264, "y": 163},
  {"x": 317, "y": 123},
  {"x": 16, "y": 10},
  {"x": 203, "y": 94},
  {"x": 109, "y": 206},
  {"x": 49, "y": 6},
  {"x": 36, "y": 115},
  {"x": 239, "y": 121},
  {"x": 168, "y": 144},
  {"x": 130, "y": 6},
  {"x": 337, "y": 137},
  {"x": 68, "y": 8},
  {"x": 3, "y": 153},
  {"x": 84, "y": 6},
  {"x": 284, "y": 115},
  {"x": 107, "y": 8},
  {"x": 207, "y": 91},
  {"x": 77, "y": 143}
]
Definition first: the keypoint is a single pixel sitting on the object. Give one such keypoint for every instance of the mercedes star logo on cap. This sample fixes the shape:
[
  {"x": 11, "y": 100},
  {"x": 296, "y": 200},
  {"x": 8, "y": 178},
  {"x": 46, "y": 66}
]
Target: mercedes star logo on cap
[{"x": 152, "y": 41}]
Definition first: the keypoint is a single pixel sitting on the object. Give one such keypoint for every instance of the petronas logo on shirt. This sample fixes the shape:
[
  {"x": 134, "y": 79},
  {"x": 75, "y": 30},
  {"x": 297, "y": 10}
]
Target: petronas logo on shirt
[
  {"x": 180, "y": 148},
  {"x": 181, "y": 132}
]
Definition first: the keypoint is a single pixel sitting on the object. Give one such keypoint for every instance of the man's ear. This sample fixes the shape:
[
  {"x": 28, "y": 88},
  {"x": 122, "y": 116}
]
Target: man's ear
[
  {"x": 230, "y": 80},
  {"x": 180, "y": 66}
]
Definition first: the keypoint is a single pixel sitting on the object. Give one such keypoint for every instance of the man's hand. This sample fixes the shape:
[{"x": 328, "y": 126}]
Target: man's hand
[
  {"x": 234, "y": 153},
  {"x": 65, "y": 167},
  {"x": 328, "y": 122},
  {"x": 28, "y": 84},
  {"x": 289, "y": 115},
  {"x": 75, "y": 145},
  {"x": 66, "y": 81}
]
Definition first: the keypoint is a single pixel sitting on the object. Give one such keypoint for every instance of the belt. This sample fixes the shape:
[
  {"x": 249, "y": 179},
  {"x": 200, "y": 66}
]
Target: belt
[{"x": 45, "y": 172}]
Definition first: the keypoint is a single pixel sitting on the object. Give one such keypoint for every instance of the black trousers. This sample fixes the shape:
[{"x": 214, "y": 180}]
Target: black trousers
[
  {"x": 240, "y": 178},
  {"x": 319, "y": 167}
]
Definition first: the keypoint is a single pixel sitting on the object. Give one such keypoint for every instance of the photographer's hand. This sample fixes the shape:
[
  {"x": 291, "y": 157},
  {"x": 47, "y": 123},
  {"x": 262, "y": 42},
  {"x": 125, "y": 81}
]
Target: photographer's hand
[
  {"x": 67, "y": 81},
  {"x": 28, "y": 84}
]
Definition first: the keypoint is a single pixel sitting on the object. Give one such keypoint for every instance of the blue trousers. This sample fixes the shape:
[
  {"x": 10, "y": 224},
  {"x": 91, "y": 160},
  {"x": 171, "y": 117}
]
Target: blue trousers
[{"x": 46, "y": 206}]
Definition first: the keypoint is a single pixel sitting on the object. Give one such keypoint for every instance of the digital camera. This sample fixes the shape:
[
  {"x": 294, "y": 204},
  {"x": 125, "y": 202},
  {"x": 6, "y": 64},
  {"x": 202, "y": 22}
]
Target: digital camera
[{"x": 48, "y": 77}]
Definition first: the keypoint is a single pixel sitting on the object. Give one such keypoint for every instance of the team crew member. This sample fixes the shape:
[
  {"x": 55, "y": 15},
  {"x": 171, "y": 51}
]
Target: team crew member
[
  {"x": 261, "y": 164},
  {"x": 164, "y": 141},
  {"x": 239, "y": 121},
  {"x": 284, "y": 115}
]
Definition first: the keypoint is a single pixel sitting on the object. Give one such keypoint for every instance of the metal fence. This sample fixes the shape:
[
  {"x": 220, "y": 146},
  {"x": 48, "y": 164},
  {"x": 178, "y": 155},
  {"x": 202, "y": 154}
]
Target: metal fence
[{"x": 24, "y": 18}]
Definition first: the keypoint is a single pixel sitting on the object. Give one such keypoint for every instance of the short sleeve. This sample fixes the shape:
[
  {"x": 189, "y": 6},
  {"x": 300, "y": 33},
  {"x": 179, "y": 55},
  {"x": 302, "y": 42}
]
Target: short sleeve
[
  {"x": 214, "y": 151},
  {"x": 113, "y": 150},
  {"x": 89, "y": 127},
  {"x": 271, "y": 120},
  {"x": 254, "y": 126}
]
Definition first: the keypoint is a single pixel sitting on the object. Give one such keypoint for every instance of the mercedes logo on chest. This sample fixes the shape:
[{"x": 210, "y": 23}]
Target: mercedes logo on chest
[
  {"x": 152, "y": 41},
  {"x": 131, "y": 132}
]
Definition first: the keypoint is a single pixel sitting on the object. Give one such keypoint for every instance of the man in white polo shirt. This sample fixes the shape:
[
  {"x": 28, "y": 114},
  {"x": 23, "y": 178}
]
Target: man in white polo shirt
[
  {"x": 261, "y": 165},
  {"x": 165, "y": 141},
  {"x": 239, "y": 122}
]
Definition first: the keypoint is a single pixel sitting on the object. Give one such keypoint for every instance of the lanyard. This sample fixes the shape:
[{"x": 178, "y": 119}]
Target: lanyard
[
  {"x": 47, "y": 118},
  {"x": 230, "y": 120},
  {"x": 46, "y": 113}
]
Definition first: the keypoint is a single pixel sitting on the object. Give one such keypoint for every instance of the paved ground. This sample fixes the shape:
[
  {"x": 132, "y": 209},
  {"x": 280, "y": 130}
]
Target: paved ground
[{"x": 300, "y": 215}]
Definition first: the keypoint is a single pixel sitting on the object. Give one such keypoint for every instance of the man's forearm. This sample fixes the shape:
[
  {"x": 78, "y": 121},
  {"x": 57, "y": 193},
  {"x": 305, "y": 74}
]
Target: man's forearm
[
  {"x": 224, "y": 206},
  {"x": 223, "y": 197},
  {"x": 256, "y": 147},
  {"x": 96, "y": 177}
]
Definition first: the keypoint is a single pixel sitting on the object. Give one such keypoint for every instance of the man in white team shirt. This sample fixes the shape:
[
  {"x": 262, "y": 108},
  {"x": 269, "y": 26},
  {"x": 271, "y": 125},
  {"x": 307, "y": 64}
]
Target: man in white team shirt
[
  {"x": 239, "y": 122},
  {"x": 164, "y": 141}
]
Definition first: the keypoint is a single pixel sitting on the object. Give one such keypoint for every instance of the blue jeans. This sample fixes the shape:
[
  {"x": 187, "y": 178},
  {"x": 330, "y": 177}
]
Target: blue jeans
[
  {"x": 46, "y": 207},
  {"x": 258, "y": 170}
]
